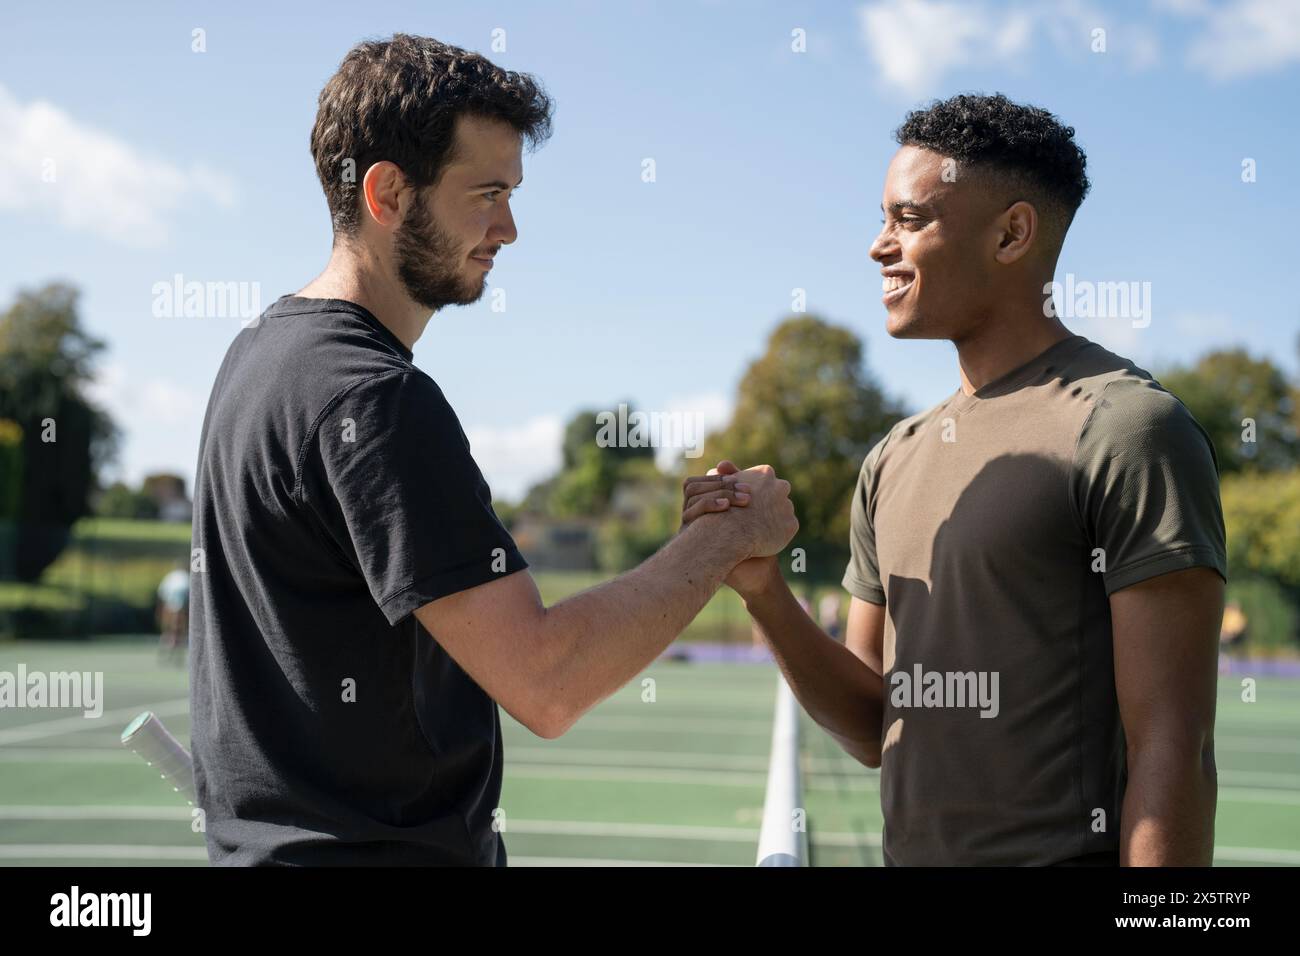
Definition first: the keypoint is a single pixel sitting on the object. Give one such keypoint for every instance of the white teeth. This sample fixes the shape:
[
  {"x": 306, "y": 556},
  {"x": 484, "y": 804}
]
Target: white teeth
[{"x": 894, "y": 283}]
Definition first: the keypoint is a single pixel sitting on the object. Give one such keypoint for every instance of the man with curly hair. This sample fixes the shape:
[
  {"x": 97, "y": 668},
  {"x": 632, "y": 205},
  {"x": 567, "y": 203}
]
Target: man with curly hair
[
  {"x": 359, "y": 611},
  {"x": 1038, "y": 561}
]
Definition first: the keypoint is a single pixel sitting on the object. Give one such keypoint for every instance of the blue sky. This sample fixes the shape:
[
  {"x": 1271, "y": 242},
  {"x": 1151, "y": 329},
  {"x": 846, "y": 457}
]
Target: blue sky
[{"x": 769, "y": 167}]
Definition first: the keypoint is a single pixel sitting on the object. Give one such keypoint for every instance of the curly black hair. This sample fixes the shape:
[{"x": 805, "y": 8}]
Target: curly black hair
[
  {"x": 1024, "y": 144},
  {"x": 398, "y": 100}
]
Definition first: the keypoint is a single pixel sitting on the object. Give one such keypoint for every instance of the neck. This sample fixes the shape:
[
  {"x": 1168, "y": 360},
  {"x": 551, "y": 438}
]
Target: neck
[
  {"x": 1004, "y": 343},
  {"x": 356, "y": 274}
]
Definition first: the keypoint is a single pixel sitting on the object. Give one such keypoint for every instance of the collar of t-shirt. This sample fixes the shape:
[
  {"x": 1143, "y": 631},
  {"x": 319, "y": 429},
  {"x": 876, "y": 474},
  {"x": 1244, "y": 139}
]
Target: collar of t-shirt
[
  {"x": 297, "y": 305},
  {"x": 1042, "y": 363}
]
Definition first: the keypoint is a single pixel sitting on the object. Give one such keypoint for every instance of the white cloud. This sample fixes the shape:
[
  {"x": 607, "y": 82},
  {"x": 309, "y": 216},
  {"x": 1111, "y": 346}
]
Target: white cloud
[
  {"x": 1204, "y": 325},
  {"x": 158, "y": 420},
  {"x": 1184, "y": 8},
  {"x": 709, "y": 412},
  {"x": 137, "y": 403},
  {"x": 916, "y": 43},
  {"x": 515, "y": 457},
  {"x": 1248, "y": 36},
  {"x": 1141, "y": 47},
  {"x": 101, "y": 184}
]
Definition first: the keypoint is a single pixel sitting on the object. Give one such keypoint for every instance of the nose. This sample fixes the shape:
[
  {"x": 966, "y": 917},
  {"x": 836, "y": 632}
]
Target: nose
[
  {"x": 883, "y": 246},
  {"x": 503, "y": 229}
]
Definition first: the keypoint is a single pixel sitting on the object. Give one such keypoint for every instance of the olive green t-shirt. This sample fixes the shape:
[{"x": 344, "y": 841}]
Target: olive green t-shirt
[{"x": 993, "y": 528}]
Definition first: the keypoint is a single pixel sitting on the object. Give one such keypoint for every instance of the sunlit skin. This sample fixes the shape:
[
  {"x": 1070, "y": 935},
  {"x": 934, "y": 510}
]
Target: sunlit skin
[
  {"x": 545, "y": 666},
  {"x": 470, "y": 208},
  {"x": 978, "y": 258}
]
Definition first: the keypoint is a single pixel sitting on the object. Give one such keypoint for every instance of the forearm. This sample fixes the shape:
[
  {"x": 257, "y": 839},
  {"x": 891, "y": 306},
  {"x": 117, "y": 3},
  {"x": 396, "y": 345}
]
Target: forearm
[
  {"x": 840, "y": 692},
  {"x": 605, "y": 636},
  {"x": 1169, "y": 804}
]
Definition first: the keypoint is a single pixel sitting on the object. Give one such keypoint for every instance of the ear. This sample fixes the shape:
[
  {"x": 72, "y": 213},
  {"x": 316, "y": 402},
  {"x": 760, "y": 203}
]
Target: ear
[
  {"x": 1017, "y": 229},
  {"x": 382, "y": 190}
]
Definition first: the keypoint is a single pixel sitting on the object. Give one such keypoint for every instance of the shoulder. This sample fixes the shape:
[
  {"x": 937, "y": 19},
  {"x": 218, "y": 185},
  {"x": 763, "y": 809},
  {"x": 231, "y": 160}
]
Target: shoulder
[
  {"x": 1121, "y": 391},
  {"x": 382, "y": 382},
  {"x": 1135, "y": 419},
  {"x": 1133, "y": 409}
]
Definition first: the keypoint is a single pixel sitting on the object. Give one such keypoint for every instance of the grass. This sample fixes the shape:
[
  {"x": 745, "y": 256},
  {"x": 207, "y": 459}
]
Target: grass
[
  {"x": 117, "y": 564},
  {"x": 41, "y": 596},
  {"x": 679, "y": 780}
]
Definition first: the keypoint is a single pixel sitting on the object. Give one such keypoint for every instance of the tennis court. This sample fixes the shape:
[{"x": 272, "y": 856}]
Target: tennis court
[{"x": 673, "y": 777}]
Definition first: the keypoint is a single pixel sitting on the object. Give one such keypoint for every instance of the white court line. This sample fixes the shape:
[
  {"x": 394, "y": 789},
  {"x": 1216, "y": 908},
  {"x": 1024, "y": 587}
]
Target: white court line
[
  {"x": 865, "y": 783},
  {"x": 697, "y": 778},
  {"x": 1262, "y": 745},
  {"x": 1249, "y": 854},
  {"x": 523, "y": 861},
  {"x": 66, "y": 755},
  {"x": 651, "y": 723},
  {"x": 705, "y": 704},
  {"x": 665, "y": 831},
  {"x": 662, "y": 831},
  {"x": 68, "y": 725},
  {"x": 655, "y": 831},
  {"x": 674, "y": 759},
  {"x": 99, "y": 851},
  {"x": 1282, "y": 781},
  {"x": 1254, "y": 795},
  {"x": 46, "y": 812},
  {"x": 528, "y": 756}
]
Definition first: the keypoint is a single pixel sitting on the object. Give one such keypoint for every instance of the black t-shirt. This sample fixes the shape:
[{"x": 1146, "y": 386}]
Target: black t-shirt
[{"x": 336, "y": 494}]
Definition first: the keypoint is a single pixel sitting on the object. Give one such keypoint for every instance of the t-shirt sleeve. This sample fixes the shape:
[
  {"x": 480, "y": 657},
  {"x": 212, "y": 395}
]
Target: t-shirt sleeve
[
  {"x": 389, "y": 475},
  {"x": 862, "y": 577},
  {"x": 1145, "y": 485}
]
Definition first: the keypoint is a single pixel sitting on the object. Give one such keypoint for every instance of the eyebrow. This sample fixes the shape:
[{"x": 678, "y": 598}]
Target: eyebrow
[
  {"x": 905, "y": 204},
  {"x": 498, "y": 184}
]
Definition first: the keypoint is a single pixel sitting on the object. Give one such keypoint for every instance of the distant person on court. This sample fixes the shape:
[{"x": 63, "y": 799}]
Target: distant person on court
[
  {"x": 1233, "y": 630},
  {"x": 173, "y": 612},
  {"x": 361, "y": 612},
  {"x": 828, "y": 614},
  {"x": 1038, "y": 562}
]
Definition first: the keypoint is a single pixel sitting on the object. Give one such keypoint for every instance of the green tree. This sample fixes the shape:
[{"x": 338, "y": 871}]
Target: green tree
[
  {"x": 646, "y": 512},
  {"x": 589, "y": 471},
  {"x": 120, "y": 501},
  {"x": 11, "y": 480},
  {"x": 11, "y": 469},
  {"x": 1261, "y": 515},
  {"x": 1224, "y": 389},
  {"x": 45, "y": 363},
  {"x": 809, "y": 408}
]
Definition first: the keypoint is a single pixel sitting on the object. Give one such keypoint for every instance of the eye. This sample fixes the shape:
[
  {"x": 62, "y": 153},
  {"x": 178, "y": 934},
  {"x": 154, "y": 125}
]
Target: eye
[{"x": 492, "y": 196}]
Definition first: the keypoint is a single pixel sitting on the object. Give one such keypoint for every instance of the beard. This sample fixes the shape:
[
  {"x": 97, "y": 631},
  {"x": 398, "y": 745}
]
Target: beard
[{"x": 429, "y": 262}]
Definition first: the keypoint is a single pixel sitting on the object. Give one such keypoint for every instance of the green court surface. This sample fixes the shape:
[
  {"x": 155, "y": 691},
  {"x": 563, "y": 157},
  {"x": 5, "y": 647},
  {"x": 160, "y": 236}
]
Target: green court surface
[{"x": 674, "y": 780}]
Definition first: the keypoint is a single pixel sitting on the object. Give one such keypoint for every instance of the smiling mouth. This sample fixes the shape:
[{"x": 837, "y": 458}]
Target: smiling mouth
[{"x": 895, "y": 287}]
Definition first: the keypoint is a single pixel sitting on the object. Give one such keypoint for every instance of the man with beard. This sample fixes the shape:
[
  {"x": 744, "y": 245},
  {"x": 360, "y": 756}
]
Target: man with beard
[{"x": 359, "y": 611}]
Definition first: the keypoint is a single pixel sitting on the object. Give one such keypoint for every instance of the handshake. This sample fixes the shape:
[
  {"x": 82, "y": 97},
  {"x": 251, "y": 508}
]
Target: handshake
[{"x": 762, "y": 522}]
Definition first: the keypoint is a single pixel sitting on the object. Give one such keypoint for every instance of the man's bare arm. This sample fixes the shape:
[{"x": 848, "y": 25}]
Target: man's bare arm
[
  {"x": 1166, "y": 632},
  {"x": 839, "y": 685},
  {"x": 834, "y": 682},
  {"x": 548, "y": 666}
]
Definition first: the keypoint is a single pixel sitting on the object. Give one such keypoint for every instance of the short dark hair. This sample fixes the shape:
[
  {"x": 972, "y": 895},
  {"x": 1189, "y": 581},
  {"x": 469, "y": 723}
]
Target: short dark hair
[
  {"x": 1025, "y": 144},
  {"x": 398, "y": 100}
]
